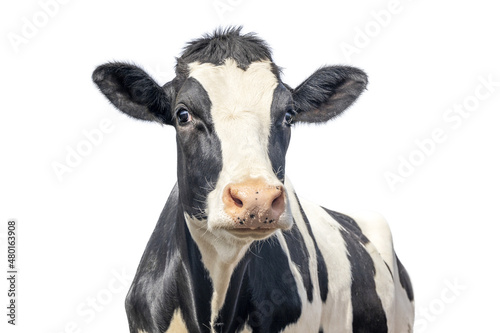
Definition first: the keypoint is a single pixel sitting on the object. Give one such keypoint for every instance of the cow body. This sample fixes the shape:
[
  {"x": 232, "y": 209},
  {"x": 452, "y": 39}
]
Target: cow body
[{"x": 235, "y": 249}]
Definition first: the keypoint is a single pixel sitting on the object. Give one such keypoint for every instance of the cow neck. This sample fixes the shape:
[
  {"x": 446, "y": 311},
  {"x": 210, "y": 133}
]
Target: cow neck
[
  {"x": 220, "y": 256},
  {"x": 196, "y": 288}
]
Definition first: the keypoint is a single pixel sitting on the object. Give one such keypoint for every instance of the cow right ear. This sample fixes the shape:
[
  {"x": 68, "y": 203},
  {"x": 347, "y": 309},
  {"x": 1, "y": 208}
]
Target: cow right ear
[
  {"x": 327, "y": 93},
  {"x": 134, "y": 92}
]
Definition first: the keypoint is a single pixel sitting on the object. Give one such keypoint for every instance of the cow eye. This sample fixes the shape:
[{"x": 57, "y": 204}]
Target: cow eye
[
  {"x": 289, "y": 118},
  {"x": 183, "y": 116}
]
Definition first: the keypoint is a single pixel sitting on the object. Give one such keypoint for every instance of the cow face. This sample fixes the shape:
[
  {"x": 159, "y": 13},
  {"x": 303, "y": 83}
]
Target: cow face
[{"x": 233, "y": 118}]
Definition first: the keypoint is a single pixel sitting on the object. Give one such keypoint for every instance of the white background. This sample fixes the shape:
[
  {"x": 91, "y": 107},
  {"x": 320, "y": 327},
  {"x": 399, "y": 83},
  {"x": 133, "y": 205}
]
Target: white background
[{"x": 81, "y": 230}]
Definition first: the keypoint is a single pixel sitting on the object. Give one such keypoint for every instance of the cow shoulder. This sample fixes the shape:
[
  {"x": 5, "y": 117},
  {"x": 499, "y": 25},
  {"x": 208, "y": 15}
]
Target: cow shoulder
[
  {"x": 169, "y": 279},
  {"x": 375, "y": 227}
]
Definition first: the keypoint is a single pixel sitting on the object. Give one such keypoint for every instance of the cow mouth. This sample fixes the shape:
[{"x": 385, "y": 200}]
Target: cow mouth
[{"x": 255, "y": 233}]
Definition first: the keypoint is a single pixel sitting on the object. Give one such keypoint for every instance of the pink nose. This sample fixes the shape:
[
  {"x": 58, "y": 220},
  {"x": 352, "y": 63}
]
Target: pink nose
[{"x": 254, "y": 204}]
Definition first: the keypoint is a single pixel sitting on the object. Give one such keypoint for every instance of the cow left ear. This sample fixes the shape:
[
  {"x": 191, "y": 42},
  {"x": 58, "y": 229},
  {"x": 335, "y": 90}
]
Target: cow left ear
[
  {"x": 327, "y": 93},
  {"x": 134, "y": 92}
]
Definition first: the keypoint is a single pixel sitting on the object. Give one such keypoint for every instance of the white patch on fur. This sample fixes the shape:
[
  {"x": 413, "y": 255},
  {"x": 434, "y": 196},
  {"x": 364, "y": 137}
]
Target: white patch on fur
[
  {"x": 220, "y": 254},
  {"x": 177, "y": 324},
  {"x": 241, "y": 112},
  {"x": 376, "y": 229},
  {"x": 247, "y": 329}
]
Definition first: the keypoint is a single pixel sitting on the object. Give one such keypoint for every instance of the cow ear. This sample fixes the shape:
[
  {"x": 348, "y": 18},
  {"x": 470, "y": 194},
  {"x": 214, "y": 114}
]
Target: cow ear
[
  {"x": 327, "y": 93},
  {"x": 134, "y": 92}
]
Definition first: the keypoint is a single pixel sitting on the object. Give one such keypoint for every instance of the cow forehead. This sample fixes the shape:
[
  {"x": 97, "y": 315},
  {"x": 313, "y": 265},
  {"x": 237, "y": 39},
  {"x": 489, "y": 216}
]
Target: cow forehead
[
  {"x": 241, "y": 102},
  {"x": 234, "y": 91}
]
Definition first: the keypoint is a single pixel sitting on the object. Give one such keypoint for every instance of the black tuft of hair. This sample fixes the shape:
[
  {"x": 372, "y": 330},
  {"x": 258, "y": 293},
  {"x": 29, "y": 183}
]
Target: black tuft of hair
[{"x": 225, "y": 43}]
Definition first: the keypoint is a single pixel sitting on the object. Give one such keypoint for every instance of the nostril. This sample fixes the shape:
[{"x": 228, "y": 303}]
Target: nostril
[
  {"x": 254, "y": 204},
  {"x": 278, "y": 203},
  {"x": 237, "y": 202},
  {"x": 233, "y": 197}
]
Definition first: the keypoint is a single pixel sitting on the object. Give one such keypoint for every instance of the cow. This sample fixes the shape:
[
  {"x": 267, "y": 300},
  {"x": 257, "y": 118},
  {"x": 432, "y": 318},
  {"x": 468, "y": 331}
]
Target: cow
[{"x": 235, "y": 249}]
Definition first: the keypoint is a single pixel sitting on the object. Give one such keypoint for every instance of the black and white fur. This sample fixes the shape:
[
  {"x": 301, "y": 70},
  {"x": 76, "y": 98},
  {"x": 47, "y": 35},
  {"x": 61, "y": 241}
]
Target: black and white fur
[{"x": 317, "y": 270}]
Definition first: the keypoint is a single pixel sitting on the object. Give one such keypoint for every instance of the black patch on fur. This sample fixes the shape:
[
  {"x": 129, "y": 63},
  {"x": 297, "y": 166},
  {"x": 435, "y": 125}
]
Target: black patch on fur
[
  {"x": 199, "y": 153},
  {"x": 280, "y": 134},
  {"x": 389, "y": 269},
  {"x": 327, "y": 93},
  {"x": 368, "y": 313},
  {"x": 322, "y": 269},
  {"x": 262, "y": 292},
  {"x": 300, "y": 257},
  {"x": 405, "y": 280},
  {"x": 350, "y": 224},
  {"x": 170, "y": 276}
]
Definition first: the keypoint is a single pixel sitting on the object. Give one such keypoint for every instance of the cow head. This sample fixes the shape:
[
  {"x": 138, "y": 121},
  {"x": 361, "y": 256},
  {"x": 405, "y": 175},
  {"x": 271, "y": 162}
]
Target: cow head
[{"x": 233, "y": 117}]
